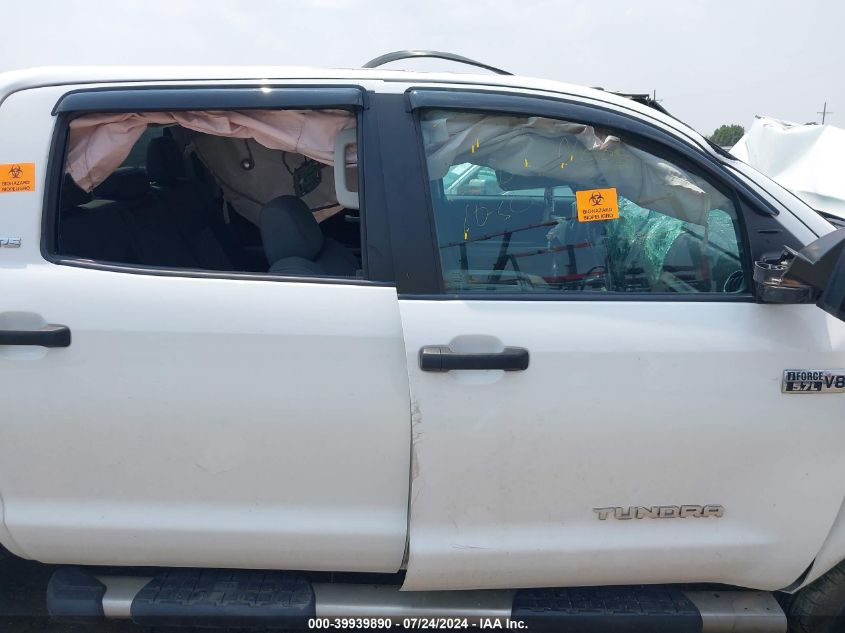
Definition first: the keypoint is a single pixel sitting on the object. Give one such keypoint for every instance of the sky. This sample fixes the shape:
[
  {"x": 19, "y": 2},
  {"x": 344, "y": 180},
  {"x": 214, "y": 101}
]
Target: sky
[{"x": 710, "y": 61}]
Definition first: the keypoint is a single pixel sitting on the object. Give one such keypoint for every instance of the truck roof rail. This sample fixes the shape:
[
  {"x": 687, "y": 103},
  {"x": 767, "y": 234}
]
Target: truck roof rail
[
  {"x": 644, "y": 98},
  {"x": 411, "y": 54}
]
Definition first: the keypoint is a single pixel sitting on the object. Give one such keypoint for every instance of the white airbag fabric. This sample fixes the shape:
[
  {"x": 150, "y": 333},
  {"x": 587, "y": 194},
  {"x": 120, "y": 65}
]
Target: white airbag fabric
[
  {"x": 568, "y": 153},
  {"x": 249, "y": 190},
  {"x": 99, "y": 143}
]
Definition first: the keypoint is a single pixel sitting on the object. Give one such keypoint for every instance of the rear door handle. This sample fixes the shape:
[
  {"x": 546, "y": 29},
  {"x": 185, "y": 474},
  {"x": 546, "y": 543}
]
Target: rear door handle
[
  {"x": 47, "y": 336},
  {"x": 442, "y": 358}
]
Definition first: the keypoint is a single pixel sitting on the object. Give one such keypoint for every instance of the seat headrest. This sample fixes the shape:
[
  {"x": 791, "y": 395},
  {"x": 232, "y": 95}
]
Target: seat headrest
[
  {"x": 165, "y": 165},
  {"x": 124, "y": 184},
  {"x": 288, "y": 229},
  {"x": 72, "y": 194}
]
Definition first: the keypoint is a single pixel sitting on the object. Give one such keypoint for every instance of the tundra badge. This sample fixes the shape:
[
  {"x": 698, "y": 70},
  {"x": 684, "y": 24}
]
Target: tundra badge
[
  {"x": 813, "y": 381},
  {"x": 660, "y": 512}
]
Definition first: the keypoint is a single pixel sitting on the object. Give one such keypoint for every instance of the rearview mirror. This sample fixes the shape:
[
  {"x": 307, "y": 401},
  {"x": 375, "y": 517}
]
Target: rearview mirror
[{"x": 820, "y": 268}]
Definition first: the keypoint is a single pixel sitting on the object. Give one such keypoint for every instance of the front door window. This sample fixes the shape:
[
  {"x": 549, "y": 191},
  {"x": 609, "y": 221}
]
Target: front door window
[{"x": 540, "y": 205}]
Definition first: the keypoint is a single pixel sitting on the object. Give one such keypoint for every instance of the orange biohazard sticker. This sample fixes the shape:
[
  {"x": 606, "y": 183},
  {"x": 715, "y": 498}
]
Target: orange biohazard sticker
[
  {"x": 17, "y": 177},
  {"x": 597, "y": 204}
]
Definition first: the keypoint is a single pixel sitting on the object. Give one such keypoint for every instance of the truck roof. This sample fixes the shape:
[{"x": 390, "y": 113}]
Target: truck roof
[{"x": 14, "y": 81}]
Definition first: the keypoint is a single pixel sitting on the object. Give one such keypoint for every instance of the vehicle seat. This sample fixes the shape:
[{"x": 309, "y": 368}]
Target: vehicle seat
[
  {"x": 92, "y": 229},
  {"x": 153, "y": 232},
  {"x": 194, "y": 210},
  {"x": 295, "y": 245}
]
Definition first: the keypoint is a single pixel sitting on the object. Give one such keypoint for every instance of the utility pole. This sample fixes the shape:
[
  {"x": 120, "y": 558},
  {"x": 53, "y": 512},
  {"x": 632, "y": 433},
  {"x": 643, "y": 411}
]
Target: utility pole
[{"x": 824, "y": 112}]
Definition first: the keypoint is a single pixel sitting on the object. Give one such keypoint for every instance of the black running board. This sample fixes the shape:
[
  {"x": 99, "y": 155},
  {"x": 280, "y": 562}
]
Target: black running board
[
  {"x": 256, "y": 599},
  {"x": 590, "y": 609},
  {"x": 185, "y": 597}
]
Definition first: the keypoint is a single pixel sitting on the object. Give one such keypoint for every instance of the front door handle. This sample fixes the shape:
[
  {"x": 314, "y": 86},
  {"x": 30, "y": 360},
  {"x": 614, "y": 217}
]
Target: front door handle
[
  {"x": 47, "y": 336},
  {"x": 442, "y": 358}
]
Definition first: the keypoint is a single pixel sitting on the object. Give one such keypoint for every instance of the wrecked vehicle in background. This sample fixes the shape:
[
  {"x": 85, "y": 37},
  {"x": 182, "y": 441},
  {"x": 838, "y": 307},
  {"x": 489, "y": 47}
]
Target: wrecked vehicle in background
[{"x": 809, "y": 160}]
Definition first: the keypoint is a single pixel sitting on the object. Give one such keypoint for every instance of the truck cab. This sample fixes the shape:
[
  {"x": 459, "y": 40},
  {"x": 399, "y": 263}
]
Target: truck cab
[{"x": 488, "y": 337}]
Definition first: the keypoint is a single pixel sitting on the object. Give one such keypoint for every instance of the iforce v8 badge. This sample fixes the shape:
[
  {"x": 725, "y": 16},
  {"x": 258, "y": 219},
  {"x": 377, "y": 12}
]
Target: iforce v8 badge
[{"x": 813, "y": 381}]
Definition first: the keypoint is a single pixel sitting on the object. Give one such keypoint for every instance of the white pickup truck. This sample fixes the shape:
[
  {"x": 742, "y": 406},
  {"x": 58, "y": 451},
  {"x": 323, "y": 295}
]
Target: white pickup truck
[{"x": 373, "y": 348}]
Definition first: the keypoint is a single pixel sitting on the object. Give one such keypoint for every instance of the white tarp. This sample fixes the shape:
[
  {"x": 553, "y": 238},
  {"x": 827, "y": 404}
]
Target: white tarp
[
  {"x": 809, "y": 160},
  {"x": 569, "y": 153}
]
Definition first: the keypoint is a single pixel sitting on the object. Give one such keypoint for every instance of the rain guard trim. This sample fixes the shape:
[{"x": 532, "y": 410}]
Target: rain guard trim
[
  {"x": 158, "y": 98},
  {"x": 553, "y": 107}
]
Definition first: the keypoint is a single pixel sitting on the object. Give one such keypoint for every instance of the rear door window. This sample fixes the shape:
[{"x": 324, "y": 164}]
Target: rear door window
[{"x": 250, "y": 191}]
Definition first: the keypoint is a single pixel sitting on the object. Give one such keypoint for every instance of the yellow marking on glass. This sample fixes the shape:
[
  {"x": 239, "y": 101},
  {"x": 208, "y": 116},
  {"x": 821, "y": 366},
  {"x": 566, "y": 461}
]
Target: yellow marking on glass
[
  {"x": 466, "y": 235},
  {"x": 472, "y": 149},
  {"x": 525, "y": 162},
  {"x": 571, "y": 157},
  {"x": 477, "y": 143}
]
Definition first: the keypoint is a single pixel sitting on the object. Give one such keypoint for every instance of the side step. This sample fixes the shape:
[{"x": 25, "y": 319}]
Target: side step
[
  {"x": 184, "y": 597},
  {"x": 257, "y": 599},
  {"x": 649, "y": 608}
]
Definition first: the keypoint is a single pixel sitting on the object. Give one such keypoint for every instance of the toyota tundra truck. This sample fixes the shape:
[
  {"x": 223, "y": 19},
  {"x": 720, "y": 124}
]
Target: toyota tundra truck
[{"x": 367, "y": 347}]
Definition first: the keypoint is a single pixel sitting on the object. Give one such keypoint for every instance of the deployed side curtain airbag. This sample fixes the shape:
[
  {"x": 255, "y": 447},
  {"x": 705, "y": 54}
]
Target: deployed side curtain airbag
[
  {"x": 560, "y": 152},
  {"x": 99, "y": 143},
  {"x": 268, "y": 178}
]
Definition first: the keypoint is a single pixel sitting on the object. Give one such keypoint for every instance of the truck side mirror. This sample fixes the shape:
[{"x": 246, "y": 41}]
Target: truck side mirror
[{"x": 815, "y": 273}]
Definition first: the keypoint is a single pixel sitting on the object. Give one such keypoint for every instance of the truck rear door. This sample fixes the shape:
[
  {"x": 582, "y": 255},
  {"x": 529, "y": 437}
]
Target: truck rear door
[{"x": 195, "y": 419}]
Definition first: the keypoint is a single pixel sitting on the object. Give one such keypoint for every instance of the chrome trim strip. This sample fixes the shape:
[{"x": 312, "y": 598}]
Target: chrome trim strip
[
  {"x": 738, "y": 611},
  {"x": 120, "y": 591},
  {"x": 386, "y": 601}
]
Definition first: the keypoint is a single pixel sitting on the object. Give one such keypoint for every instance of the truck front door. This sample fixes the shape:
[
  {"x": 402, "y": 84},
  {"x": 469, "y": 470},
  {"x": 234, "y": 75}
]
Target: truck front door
[{"x": 596, "y": 394}]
